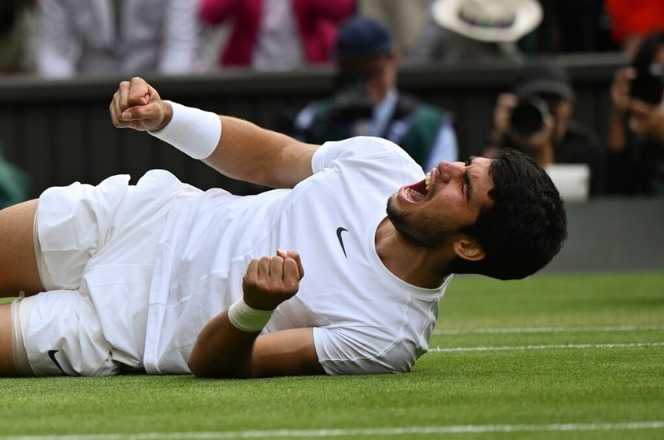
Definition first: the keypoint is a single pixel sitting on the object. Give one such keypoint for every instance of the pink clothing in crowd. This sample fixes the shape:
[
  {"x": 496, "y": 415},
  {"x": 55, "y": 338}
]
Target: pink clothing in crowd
[{"x": 316, "y": 22}]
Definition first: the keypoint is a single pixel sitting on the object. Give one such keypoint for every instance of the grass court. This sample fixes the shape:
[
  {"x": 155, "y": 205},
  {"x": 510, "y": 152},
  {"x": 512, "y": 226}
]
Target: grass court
[{"x": 577, "y": 356}]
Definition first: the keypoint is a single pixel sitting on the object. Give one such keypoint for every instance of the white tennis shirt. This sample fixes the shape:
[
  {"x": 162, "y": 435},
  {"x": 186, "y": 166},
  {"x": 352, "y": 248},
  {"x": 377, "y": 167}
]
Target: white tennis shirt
[{"x": 365, "y": 319}]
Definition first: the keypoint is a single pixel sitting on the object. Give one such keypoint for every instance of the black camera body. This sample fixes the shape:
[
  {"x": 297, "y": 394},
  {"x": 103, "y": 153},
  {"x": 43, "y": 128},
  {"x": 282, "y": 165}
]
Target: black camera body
[
  {"x": 529, "y": 116},
  {"x": 354, "y": 100},
  {"x": 351, "y": 99},
  {"x": 648, "y": 85}
]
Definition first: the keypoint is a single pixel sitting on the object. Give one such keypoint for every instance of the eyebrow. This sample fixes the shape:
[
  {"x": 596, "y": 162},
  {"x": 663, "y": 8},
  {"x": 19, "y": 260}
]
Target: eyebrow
[{"x": 466, "y": 179}]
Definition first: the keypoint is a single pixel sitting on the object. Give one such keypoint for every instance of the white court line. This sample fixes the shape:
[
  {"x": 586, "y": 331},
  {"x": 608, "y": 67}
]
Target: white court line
[
  {"x": 546, "y": 347},
  {"x": 367, "y": 432},
  {"x": 516, "y": 330}
]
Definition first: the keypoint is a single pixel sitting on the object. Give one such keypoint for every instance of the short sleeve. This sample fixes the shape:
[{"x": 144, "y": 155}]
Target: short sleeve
[
  {"x": 361, "y": 351},
  {"x": 360, "y": 146}
]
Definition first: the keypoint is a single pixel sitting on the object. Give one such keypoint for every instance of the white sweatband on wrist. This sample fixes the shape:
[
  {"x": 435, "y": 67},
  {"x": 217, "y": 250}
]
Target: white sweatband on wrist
[
  {"x": 194, "y": 132},
  {"x": 246, "y": 318}
]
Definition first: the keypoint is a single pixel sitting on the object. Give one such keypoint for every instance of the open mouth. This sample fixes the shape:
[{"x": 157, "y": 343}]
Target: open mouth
[{"x": 419, "y": 191}]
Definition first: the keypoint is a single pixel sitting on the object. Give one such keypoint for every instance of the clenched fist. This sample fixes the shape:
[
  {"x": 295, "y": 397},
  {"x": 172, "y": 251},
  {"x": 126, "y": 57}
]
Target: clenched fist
[
  {"x": 269, "y": 281},
  {"x": 136, "y": 104}
]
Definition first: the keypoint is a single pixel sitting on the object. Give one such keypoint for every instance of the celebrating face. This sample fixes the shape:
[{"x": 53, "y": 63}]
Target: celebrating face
[{"x": 451, "y": 197}]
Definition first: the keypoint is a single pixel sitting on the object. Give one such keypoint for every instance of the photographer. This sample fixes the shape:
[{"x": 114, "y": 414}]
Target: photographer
[
  {"x": 636, "y": 126},
  {"x": 367, "y": 103},
  {"x": 537, "y": 120}
]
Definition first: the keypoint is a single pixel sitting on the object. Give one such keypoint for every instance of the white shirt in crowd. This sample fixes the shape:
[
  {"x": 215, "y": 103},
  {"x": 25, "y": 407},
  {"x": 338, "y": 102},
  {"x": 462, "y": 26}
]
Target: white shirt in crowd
[
  {"x": 278, "y": 45},
  {"x": 115, "y": 36}
]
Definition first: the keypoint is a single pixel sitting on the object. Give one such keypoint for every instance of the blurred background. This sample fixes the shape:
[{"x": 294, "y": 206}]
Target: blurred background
[{"x": 576, "y": 84}]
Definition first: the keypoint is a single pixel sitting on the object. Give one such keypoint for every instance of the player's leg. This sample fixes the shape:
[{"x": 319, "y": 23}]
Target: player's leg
[
  {"x": 7, "y": 367},
  {"x": 54, "y": 333},
  {"x": 18, "y": 265}
]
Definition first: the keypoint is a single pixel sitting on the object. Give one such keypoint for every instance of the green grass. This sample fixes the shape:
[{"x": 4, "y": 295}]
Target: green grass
[{"x": 510, "y": 387}]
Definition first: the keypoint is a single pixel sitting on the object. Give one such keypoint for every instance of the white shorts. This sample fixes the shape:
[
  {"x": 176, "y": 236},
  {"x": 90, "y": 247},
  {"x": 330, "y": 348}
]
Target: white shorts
[
  {"x": 62, "y": 335},
  {"x": 95, "y": 248}
]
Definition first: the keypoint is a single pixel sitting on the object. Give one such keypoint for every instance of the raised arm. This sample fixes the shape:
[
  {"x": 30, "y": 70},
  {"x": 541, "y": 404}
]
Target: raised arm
[
  {"x": 243, "y": 150},
  {"x": 253, "y": 154}
]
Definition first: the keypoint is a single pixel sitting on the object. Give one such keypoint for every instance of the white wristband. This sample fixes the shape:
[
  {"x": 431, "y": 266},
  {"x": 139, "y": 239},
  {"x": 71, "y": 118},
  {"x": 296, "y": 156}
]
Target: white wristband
[
  {"x": 248, "y": 319},
  {"x": 194, "y": 132}
]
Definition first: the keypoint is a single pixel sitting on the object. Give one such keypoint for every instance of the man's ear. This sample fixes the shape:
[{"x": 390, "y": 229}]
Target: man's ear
[{"x": 467, "y": 248}]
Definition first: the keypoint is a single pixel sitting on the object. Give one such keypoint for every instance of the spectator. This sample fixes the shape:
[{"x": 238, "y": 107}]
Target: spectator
[
  {"x": 277, "y": 34},
  {"x": 462, "y": 30},
  {"x": 636, "y": 127},
  {"x": 15, "y": 31},
  {"x": 405, "y": 19},
  {"x": 366, "y": 101},
  {"x": 537, "y": 119},
  {"x": 632, "y": 20},
  {"x": 118, "y": 36}
]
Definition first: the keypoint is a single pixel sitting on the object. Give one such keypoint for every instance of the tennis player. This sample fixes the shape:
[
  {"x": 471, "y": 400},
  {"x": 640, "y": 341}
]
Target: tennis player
[{"x": 339, "y": 270}]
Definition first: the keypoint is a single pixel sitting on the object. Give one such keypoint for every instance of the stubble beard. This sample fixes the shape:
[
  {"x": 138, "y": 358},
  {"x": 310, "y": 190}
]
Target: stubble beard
[{"x": 425, "y": 235}]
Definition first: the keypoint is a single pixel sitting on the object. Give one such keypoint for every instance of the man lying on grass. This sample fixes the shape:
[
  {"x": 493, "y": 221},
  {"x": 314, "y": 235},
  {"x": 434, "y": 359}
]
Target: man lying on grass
[{"x": 339, "y": 271}]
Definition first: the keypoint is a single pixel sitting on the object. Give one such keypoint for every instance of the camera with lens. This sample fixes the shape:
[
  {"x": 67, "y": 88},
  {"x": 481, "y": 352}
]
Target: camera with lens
[
  {"x": 529, "y": 116},
  {"x": 350, "y": 111},
  {"x": 648, "y": 84},
  {"x": 351, "y": 100}
]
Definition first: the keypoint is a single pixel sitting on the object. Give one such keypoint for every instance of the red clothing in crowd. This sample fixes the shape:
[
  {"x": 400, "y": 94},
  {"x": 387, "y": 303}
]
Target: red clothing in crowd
[
  {"x": 316, "y": 20},
  {"x": 635, "y": 17}
]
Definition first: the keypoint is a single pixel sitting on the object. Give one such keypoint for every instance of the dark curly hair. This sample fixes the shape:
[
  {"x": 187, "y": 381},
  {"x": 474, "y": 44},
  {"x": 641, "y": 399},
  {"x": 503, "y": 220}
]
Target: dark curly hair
[{"x": 526, "y": 224}]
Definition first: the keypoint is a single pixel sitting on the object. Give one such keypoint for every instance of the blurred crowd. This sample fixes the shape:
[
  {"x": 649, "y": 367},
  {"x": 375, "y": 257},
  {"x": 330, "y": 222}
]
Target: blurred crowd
[
  {"x": 367, "y": 40},
  {"x": 64, "y": 38}
]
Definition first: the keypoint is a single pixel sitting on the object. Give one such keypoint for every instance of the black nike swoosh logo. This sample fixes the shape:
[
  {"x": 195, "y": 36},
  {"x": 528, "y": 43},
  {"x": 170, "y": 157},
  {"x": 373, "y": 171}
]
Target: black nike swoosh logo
[
  {"x": 341, "y": 229},
  {"x": 51, "y": 355}
]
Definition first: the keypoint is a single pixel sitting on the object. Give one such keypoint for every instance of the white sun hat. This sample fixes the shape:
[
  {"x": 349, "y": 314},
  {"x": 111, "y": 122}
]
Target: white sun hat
[{"x": 488, "y": 20}]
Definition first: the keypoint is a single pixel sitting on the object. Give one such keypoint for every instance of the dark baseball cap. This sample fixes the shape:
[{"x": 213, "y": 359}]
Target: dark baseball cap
[
  {"x": 361, "y": 37},
  {"x": 544, "y": 78}
]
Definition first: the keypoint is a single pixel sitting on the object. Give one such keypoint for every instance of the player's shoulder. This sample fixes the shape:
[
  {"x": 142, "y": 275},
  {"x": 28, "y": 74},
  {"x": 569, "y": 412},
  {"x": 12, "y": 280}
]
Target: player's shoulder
[
  {"x": 366, "y": 154},
  {"x": 368, "y": 146}
]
